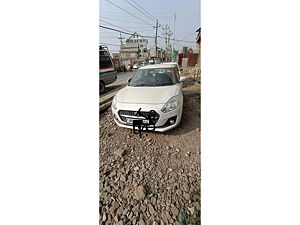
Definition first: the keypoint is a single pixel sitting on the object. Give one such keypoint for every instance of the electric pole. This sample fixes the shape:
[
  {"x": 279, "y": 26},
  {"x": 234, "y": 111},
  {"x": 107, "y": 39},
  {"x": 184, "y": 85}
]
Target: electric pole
[
  {"x": 121, "y": 42},
  {"x": 157, "y": 26},
  {"x": 173, "y": 36}
]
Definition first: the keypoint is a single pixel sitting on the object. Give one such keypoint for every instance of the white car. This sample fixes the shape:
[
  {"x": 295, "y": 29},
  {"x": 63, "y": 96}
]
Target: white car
[
  {"x": 175, "y": 65},
  {"x": 156, "y": 88},
  {"x": 136, "y": 66}
]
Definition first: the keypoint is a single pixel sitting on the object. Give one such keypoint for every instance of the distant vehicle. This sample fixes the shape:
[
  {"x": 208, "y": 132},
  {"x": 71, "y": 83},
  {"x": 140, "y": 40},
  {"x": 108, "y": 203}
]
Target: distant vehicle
[
  {"x": 136, "y": 66},
  {"x": 144, "y": 64},
  {"x": 154, "y": 89},
  {"x": 107, "y": 72},
  {"x": 157, "y": 61},
  {"x": 175, "y": 65}
]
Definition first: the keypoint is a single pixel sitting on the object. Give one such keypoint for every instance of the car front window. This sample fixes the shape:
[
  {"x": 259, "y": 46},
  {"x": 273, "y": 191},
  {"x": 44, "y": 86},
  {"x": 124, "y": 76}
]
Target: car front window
[{"x": 154, "y": 77}]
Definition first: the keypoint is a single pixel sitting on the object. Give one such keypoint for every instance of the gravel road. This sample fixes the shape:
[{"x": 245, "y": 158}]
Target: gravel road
[{"x": 154, "y": 179}]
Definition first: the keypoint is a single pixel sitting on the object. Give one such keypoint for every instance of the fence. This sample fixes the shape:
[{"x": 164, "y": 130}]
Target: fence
[{"x": 192, "y": 59}]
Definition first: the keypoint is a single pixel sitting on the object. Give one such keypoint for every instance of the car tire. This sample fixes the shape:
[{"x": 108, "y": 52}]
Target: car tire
[{"x": 102, "y": 87}]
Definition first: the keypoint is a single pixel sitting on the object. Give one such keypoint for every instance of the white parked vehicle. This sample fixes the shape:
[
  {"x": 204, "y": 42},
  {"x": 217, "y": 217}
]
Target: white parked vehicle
[
  {"x": 175, "y": 65},
  {"x": 136, "y": 66},
  {"x": 152, "y": 88}
]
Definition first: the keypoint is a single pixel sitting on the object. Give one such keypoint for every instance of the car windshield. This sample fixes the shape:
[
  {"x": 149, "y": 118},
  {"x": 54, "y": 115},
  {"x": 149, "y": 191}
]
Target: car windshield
[{"x": 154, "y": 77}]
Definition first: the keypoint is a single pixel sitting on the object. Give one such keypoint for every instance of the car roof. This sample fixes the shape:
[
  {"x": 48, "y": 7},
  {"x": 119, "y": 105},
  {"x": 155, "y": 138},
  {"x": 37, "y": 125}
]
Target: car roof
[
  {"x": 157, "y": 66},
  {"x": 174, "y": 63}
]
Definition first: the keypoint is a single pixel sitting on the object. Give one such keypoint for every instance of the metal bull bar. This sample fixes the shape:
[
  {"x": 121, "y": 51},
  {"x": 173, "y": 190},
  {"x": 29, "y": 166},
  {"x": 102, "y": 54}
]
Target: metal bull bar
[{"x": 139, "y": 125}]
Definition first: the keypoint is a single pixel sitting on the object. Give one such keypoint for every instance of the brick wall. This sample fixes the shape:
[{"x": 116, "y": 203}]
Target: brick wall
[{"x": 193, "y": 58}]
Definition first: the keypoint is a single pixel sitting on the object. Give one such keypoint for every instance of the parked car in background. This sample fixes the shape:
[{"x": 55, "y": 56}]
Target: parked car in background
[
  {"x": 175, "y": 65},
  {"x": 136, "y": 66},
  {"x": 144, "y": 64},
  {"x": 155, "y": 89},
  {"x": 107, "y": 72}
]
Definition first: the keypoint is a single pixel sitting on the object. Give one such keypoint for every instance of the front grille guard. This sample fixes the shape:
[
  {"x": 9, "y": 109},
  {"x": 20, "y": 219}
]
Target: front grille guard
[{"x": 138, "y": 117}]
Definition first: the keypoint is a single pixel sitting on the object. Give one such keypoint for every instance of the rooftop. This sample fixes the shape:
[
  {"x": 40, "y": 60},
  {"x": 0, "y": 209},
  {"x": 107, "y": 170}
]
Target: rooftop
[{"x": 157, "y": 66}]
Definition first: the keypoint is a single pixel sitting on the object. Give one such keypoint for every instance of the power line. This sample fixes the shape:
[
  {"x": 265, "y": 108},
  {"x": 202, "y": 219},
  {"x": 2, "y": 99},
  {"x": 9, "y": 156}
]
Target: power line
[
  {"x": 189, "y": 35},
  {"x": 124, "y": 26},
  {"x": 101, "y": 43},
  {"x": 128, "y": 12},
  {"x": 145, "y": 10},
  {"x": 115, "y": 25},
  {"x": 109, "y": 28},
  {"x": 139, "y": 10},
  {"x": 120, "y": 20},
  {"x": 184, "y": 41}
]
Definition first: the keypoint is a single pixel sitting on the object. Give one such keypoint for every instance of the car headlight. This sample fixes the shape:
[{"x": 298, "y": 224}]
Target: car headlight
[
  {"x": 114, "y": 102},
  {"x": 170, "y": 105}
]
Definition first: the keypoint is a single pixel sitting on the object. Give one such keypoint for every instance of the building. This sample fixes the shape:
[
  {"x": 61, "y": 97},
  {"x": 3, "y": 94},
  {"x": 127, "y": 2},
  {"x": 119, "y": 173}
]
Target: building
[
  {"x": 185, "y": 50},
  {"x": 130, "y": 51},
  {"x": 135, "y": 47},
  {"x": 116, "y": 55}
]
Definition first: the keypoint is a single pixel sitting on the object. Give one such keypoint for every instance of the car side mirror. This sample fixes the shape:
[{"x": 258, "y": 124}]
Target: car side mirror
[
  {"x": 129, "y": 80},
  {"x": 181, "y": 70}
]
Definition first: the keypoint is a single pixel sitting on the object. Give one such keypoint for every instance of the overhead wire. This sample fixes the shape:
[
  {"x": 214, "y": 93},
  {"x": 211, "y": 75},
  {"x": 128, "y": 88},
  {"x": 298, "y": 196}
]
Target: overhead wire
[
  {"x": 122, "y": 26},
  {"x": 109, "y": 28},
  {"x": 140, "y": 10},
  {"x": 115, "y": 25},
  {"x": 120, "y": 20},
  {"x": 128, "y": 12},
  {"x": 145, "y": 10}
]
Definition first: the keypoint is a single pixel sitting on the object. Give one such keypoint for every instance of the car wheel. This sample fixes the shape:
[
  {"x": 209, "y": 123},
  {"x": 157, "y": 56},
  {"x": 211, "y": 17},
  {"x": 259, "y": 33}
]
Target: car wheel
[{"x": 102, "y": 87}]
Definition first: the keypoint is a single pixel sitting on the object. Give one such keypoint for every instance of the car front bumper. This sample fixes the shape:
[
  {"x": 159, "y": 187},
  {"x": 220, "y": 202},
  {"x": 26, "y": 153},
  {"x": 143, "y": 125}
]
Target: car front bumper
[{"x": 162, "y": 124}]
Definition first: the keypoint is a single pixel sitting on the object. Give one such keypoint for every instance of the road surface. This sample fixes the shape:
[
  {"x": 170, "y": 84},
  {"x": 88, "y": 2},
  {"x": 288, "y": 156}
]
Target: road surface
[{"x": 122, "y": 80}]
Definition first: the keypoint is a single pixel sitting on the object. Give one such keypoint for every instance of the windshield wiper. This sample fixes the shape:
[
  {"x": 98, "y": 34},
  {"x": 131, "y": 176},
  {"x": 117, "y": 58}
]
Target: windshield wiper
[
  {"x": 143, "y": 85},
  {"x": 166, "y": 84}
]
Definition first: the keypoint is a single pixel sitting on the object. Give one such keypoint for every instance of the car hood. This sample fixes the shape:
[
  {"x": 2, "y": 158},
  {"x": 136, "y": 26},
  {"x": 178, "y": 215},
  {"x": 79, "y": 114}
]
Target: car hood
[{"x": 147, "y": 95}]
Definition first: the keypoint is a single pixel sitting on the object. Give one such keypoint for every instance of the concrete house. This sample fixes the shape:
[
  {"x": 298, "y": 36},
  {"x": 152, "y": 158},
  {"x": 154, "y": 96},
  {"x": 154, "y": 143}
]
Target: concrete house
[{"x": 135, "y": 47}]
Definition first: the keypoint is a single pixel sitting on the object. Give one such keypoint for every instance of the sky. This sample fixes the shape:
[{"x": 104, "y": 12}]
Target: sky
[{"x": 186, "y": 23}]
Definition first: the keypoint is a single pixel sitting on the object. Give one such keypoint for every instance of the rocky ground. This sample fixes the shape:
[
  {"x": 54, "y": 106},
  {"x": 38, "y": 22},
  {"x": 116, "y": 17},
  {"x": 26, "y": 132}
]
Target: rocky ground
[{"x": 154, "y": 179}]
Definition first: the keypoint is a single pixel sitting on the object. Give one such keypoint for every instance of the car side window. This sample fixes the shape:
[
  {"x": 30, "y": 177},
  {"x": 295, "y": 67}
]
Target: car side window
[
  {"x": 177, "y": 75},
  {"x": 105, "y": 60}
]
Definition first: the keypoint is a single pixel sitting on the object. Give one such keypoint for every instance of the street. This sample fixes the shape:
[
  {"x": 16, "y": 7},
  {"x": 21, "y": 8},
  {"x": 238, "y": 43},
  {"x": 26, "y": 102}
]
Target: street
[{"x": 122, "y": 80}]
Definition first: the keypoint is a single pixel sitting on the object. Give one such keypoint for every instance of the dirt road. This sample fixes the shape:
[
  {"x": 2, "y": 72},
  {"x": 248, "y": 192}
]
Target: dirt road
[{"x": 154, "y": 179}]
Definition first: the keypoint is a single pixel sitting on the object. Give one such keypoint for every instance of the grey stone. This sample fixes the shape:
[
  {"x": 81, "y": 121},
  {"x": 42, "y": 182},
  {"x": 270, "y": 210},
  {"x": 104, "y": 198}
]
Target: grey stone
[
  {"x": 114, "y": 206},
  {"x": 120, "y": 211},
  {"x": 141, "y": 222},
  {"x": 151, "y": 209},
  {"x": 139, "y": 193},
  {"x": 174, "y": 211},
  {"x": 178, "y": 192},
  {"x": 119, "y": 152},
  {"x": 186, "y": 196},
  {"x": 192, "y": 210},
  {"x": 122, "y": 178},
  {"x": 160, "y": 175},
  {"x": 165, "y": 216},
  {"x": 185, "y": 187},
  {"x": 104, "y": 218}
]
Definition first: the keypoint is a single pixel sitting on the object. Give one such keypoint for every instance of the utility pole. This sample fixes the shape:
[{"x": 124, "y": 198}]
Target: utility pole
[
  {"x": 121, "y": 42},
  {"x": 157, "y": 26},
  {"x": 173, "y": 36},
  {"x": 168, "y": 33}
]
